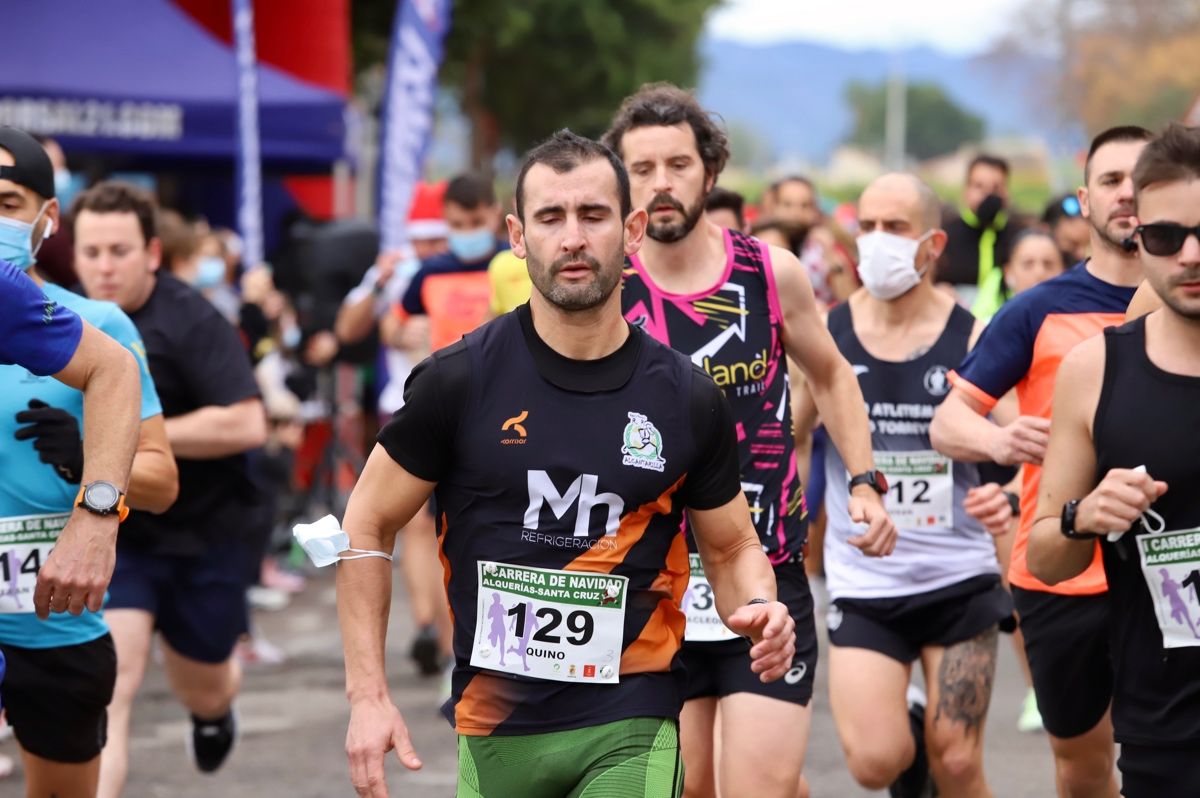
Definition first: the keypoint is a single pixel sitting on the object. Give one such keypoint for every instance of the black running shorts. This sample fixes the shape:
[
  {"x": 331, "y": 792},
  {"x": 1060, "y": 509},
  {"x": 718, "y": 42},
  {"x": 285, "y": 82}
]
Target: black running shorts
[
  {"x": 57, "y": 698},
  {"x": 715, "y": 670},
  {"x": 1066, "y": 642}
]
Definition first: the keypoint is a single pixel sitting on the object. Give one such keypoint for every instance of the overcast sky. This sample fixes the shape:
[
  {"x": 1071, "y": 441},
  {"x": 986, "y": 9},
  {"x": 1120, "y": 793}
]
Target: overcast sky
[{"x": 957, "y": 26}]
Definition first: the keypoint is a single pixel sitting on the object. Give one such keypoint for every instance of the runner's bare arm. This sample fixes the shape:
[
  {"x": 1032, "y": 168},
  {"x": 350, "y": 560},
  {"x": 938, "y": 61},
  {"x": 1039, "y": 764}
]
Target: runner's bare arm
[
  {"x": 1070, "y": 466},
  {"x": 154, "y": 478},
  {"x": 739, "y": 571},
  {"x": 804, "y": 421},
  {"x": 386, "y": 497},
  {"x": 832, "y": 382},
  {"x": 837, "y": 395},
  {"x": 1145, "y": 300},
  {"x": 78, "y": 570},
  {"x": 216, "y": 431},
  {"x": 107, "y": 374}
]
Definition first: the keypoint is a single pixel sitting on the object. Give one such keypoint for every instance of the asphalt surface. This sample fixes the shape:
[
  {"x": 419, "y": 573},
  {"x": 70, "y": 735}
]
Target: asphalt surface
[{"x": 293, "y": 724}]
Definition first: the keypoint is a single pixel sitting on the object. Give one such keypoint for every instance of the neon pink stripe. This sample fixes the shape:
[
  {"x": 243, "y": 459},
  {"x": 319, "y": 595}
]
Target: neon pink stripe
[
  {"x": 679, "y": 298},
  {"x": 772, "y": 291}
]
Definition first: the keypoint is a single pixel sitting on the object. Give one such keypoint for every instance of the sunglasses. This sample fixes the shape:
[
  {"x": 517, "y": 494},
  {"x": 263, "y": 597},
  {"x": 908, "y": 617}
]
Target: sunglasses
[{"x": 1165, "y": 238}]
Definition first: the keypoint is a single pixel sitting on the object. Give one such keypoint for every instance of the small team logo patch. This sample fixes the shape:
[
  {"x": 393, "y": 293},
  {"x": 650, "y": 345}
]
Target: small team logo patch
[
  {"x": 642, "y": 444},
  {"x": 516, "y": 425},
  {"x": 937, "y": 381}
]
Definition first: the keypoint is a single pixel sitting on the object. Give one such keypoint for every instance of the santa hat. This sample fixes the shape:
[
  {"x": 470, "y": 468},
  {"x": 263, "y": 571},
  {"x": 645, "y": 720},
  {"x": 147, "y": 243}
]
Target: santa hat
[{"x": 425, "y": 219}]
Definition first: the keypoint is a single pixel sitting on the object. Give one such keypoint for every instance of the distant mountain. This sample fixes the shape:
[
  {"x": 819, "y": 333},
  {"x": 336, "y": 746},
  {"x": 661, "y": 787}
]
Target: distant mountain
[{"x": 792, "y": 94}]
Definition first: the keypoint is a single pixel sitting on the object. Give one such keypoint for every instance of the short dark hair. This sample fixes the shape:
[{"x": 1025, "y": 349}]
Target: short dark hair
[
  {"x": 994, "y": 161},
  {"x": 724, "y": 199},
  {"x": 565, "y": 151},
  {"x": 115, "y": 196},
  {"x": 470, "y": 191},
  {"x": 1033, "y": 232},
  {"x": 1173, "y": 156},
  {"x": 1111, "y": 136},
  {"x": 667, "y": 105},
  {"x": 781, "y": 182}
]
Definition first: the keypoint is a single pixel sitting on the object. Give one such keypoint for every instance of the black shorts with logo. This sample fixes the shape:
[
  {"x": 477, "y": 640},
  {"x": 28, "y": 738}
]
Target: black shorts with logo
[
  {"x": 899, "y": 627},
  {"x": 715, "y": 670},
  {"x": 57, "y": 698},
  {"x": 1067, "y": 644}
]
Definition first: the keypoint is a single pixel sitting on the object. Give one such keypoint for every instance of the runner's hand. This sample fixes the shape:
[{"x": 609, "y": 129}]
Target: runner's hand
[
  {"x": 55, "y": 436},
  {"x": 988, "y": 504},
  {"x": 376, "y": 727},
  {"x": 79, "y": 568},
  {"x": 1022, "y": 441},
  {"x": 772, "y": 633},
  {"x": 1117, "y": 502},
  {"x": 879, "y": 539},
  {"x": 386, "y": 263}
]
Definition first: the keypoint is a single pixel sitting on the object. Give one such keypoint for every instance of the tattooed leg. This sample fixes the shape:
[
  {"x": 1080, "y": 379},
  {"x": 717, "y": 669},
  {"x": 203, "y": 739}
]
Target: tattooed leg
[{"x": 959, "y": 682}]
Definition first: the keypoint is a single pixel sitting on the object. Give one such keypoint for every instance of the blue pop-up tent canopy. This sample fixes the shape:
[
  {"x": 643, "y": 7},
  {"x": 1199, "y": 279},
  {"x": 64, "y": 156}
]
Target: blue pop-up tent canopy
[{"x": 140, "y": 78}]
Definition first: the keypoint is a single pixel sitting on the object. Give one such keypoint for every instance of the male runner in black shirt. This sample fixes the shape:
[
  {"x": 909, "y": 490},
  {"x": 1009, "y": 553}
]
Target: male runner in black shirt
[
  {"x": 1123, "y": 466},
  {"x": 180, "y": 573},
  {"x": 563, "y": 445}
]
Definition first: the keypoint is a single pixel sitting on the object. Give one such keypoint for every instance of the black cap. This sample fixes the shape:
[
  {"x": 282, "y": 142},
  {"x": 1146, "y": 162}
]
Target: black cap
[{"x": 32, "y": 167}]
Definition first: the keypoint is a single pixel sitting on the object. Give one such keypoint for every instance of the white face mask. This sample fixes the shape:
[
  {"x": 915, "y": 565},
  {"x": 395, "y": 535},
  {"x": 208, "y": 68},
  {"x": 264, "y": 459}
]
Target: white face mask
[
  {"x": 887, "y": 264},
  {"x": 324, "y": 541}
]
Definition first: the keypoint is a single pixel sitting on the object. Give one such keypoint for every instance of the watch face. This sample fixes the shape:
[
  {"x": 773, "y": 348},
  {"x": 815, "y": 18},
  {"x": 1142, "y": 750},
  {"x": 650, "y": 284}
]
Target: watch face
[
  {"x": 101, "y": 495},
  {"x": 881, "y": 483}
]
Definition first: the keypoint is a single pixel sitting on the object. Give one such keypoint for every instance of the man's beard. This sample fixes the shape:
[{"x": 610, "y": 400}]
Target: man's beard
[
  {"x": 1192, "y": 312},
  {"x": 670, "y": 232},
  {"x": 1115, "y": 244},
  {"x": 574, "y": 298}
]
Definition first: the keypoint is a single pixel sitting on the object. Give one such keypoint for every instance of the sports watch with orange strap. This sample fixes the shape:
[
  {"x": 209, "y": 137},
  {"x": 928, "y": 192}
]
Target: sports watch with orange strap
[{"x": 102, "y": 498}]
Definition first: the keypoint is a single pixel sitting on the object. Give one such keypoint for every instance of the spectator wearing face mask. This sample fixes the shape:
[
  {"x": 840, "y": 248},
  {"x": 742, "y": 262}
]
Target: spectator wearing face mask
[{"x": 980, "y": 238}]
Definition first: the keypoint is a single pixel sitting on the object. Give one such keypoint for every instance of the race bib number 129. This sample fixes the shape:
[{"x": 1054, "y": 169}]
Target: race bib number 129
[{"x": 565, "y": 626}]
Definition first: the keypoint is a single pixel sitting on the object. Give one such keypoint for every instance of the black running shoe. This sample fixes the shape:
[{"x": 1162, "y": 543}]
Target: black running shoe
[
  {"x": 426, "y": 652},
  {"x": 212, "y": 740},
  {"x": 916, "y": 781}
]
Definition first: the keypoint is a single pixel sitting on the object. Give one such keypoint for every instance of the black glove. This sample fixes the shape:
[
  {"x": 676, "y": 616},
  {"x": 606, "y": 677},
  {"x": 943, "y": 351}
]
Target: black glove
[{"x": 55, "y": 435}]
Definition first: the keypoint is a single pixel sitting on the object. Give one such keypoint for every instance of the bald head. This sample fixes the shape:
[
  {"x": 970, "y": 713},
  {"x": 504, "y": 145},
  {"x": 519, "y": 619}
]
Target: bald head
[{"x": 899, "y": 203}]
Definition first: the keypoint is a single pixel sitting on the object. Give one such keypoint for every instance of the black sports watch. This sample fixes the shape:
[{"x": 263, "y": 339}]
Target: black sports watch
[
  {"x": 102, "y": 498},
  {"x": 1068, "y": 522},
  {"x": 874, "y": 478}
]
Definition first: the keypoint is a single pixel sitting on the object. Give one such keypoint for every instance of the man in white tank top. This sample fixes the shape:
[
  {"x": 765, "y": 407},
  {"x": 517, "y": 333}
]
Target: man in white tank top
[{"x": 938, "y": 598}]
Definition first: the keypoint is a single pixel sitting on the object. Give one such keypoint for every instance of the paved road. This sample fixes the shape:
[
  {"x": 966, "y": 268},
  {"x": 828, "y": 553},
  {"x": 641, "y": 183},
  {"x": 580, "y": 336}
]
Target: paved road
[{"x": 294, "y": 724}]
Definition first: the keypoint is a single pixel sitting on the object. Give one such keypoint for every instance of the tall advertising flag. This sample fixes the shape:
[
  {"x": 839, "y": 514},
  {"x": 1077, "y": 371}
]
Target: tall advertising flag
[
  {"x": 416, "y": 54},
  {"x": 249, "y": 164}
]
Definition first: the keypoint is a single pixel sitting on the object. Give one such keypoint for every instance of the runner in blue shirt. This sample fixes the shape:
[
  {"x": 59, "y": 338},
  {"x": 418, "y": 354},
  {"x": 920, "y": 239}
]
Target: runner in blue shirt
[{"x": 60, "y": 668}]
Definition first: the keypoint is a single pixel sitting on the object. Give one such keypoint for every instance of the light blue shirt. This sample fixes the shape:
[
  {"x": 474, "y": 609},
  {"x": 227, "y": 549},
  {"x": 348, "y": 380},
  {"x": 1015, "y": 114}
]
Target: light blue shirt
[{"x": 29, "y": 487}]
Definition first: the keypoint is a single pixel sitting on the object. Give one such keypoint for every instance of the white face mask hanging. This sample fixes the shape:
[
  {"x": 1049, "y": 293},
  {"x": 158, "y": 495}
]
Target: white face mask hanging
[
  {"x": 324, "y": 541},
  {"x": 1151, "y": 521}
]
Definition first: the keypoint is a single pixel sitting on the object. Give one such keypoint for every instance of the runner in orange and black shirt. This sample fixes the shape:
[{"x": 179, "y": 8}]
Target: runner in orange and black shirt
[
  {"x": 1064, "y": 625},
  {"x": 563, "y": 446}
]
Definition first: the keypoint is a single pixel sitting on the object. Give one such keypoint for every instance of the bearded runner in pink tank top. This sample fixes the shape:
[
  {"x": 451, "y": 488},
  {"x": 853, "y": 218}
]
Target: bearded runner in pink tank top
[
  {"x": 738, "y": 309},
  {"x": 732, "y": 331}
]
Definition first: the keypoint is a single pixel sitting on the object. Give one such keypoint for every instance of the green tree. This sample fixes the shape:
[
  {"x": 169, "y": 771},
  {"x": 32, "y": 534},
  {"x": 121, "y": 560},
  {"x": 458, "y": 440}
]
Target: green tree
[
  {"x": 934, "y": 124},
  {"x": 525, "y": 68}
]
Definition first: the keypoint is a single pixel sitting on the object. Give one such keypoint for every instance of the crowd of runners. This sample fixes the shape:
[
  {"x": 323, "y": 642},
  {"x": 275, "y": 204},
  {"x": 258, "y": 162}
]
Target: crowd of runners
[{"x": 631, "y": 428}]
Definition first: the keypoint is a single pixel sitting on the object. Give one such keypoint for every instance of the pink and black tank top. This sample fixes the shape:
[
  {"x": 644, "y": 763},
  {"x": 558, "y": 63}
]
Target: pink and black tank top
[{"x": 733, "y": 331}]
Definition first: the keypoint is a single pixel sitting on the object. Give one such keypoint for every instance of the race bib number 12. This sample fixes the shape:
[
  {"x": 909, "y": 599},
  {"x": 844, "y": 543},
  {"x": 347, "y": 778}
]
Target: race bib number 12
[
  {"x": 565, "y": 626},
  {"x": 921, "y": 493}
]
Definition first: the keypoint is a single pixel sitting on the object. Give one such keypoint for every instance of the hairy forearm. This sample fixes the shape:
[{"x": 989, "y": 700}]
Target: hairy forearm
[
  {"x": 355, "y": 320},
  {"x": 739, "y": 574},
  {"x": 213, "y": 432},
  {"x": 111, "y": 402},
  {"x": 840, "y": 403},
  {"x": 960, "y": 433},
  {"x": 1053, "y": 557},
  {"x": 364, "y": 598}
]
